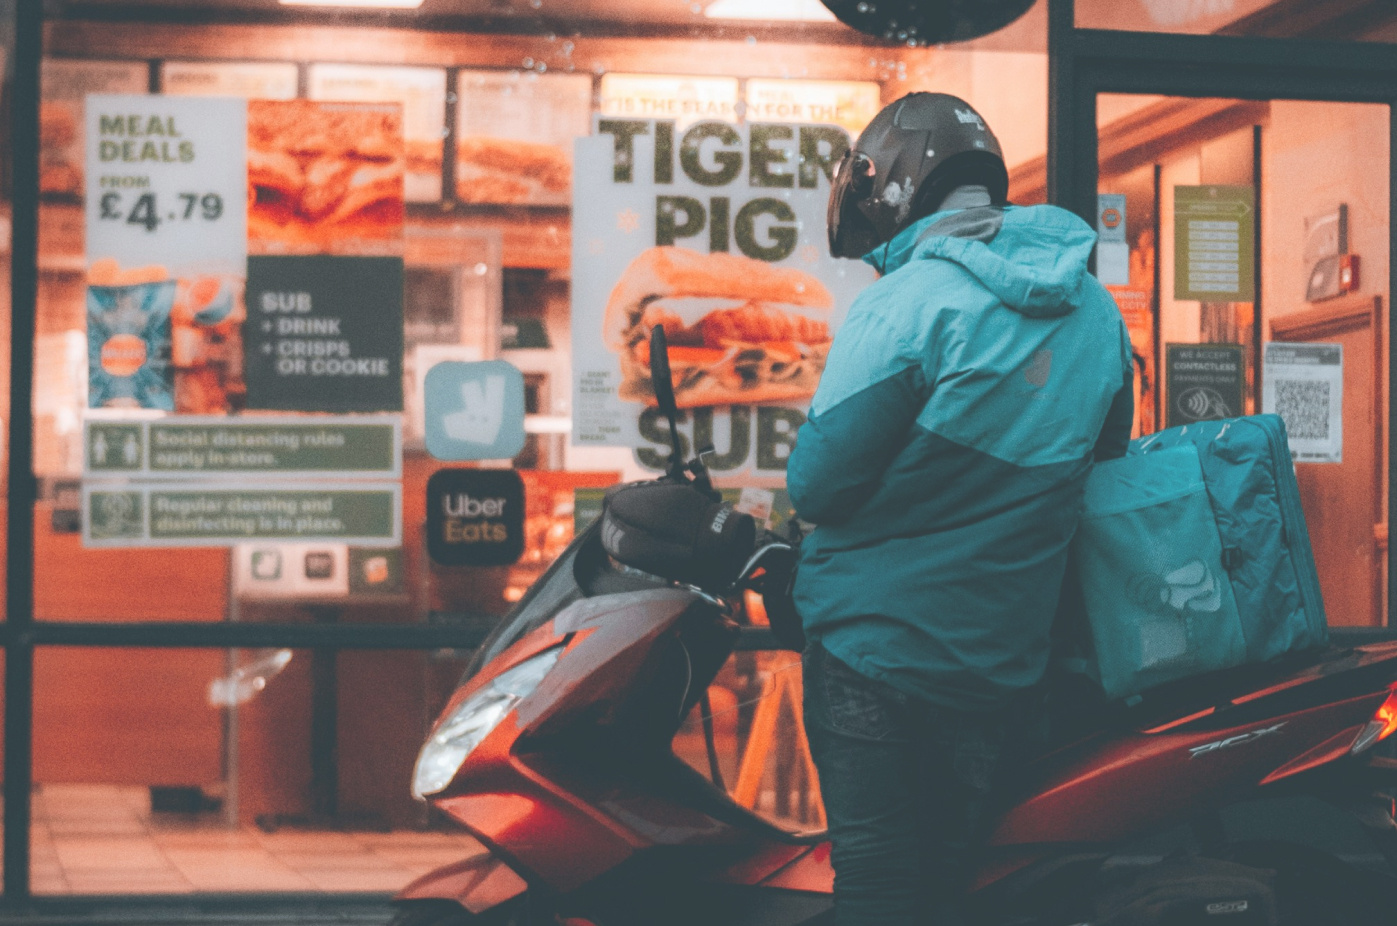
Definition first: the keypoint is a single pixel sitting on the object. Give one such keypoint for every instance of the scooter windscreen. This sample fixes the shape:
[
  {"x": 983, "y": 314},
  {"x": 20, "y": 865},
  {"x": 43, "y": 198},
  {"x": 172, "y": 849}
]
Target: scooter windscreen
[{"x": 582, "y": 571}]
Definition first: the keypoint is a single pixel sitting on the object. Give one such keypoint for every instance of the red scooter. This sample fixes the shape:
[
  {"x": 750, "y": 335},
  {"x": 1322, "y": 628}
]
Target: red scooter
[{"x": 628, "y": 749}]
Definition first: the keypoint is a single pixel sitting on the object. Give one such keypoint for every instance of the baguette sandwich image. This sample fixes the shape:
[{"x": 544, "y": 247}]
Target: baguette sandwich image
[
  {"x": 740, "y": 331},
  {"x": 509, "y": 170},
  {"x": 321, "y": 173}
]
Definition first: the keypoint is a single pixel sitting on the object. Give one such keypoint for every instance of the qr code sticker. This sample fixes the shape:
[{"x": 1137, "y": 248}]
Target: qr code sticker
[{"x": 1304, "y": 406}]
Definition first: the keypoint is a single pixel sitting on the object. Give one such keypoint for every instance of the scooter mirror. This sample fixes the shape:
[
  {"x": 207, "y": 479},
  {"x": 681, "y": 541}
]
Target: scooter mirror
[{"x": 663, "y": 384}]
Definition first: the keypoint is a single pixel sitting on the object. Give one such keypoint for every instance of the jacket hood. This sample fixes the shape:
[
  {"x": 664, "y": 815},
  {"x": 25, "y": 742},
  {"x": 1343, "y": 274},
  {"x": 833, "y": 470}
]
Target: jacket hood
[{"x": 1034, "y": 263}]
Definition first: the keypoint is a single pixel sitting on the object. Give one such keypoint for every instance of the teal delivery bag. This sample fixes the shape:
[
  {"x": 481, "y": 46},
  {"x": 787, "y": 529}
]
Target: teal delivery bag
[{"x": 1192, "y": 556}]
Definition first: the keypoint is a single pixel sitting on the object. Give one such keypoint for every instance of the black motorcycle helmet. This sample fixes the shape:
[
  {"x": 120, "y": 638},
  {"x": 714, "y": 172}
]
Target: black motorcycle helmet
[{"x": 913, "y": 153}]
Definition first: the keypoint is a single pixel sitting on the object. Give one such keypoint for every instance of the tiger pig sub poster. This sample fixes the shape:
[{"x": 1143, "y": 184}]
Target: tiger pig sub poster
[{"x": 716, "y": 232}]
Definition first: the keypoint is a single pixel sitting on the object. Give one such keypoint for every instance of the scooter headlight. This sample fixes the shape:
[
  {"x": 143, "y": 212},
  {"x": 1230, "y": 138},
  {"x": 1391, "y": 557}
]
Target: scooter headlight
[{"x": 465, "y": 728}]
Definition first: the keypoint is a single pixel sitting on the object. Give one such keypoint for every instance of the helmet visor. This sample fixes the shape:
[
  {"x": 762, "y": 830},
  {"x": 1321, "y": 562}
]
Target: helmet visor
[{"x": 850, "y": 232}]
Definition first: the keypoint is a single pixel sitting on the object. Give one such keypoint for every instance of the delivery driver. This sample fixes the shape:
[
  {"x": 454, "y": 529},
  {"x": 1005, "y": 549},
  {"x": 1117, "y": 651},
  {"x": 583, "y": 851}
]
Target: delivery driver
[{"x": 943, "y": 465}]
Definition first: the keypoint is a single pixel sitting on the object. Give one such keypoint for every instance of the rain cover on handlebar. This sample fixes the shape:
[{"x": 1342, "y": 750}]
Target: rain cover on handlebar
[{"x": 676, "y": 531}]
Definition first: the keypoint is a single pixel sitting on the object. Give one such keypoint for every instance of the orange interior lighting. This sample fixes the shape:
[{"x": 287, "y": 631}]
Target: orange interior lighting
[
  {"x": 1387, "y": 716},
  {"x": 1383, "y": 724}
]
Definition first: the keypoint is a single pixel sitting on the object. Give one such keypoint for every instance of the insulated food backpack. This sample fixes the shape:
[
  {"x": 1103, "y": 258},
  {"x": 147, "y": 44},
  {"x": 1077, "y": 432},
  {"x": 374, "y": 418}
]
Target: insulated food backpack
[{"x": 1192, "y": 556}]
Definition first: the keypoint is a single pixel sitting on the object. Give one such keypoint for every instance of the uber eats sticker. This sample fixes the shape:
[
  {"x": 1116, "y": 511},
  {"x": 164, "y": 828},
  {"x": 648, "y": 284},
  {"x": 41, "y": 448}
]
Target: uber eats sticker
[
  {"x": 717, "y": 233},
  {"x": 475, "y": 517}
]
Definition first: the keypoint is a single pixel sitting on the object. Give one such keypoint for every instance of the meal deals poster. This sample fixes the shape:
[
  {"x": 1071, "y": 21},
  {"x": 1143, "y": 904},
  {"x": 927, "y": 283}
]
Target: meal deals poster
[
  {"x": 181, "y": 319},
  {"x": 716, "y": 232},
  {"x": 179, "y": 190}
]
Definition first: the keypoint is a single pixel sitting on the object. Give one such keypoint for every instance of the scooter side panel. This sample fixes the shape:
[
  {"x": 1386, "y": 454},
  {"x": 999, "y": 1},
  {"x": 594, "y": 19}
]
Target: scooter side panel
[
  {"x": 541, "y": 836},
  {"x": 1124, "y": 786}
]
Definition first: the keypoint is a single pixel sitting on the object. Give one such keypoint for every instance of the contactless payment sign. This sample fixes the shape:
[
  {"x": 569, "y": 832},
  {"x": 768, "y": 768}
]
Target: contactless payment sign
[
  {"x": 475, "y": 517},
  {"x": 474, "y": 411}
]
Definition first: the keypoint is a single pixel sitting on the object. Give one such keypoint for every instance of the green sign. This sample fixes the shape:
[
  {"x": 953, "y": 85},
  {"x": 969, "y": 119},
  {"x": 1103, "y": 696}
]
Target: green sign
[
  {"x": 179, "y": 514},
  {"x": 1215, "y": 243},
  {"x": 118, "y": 449},
  {"x": 219, "y": 446}
]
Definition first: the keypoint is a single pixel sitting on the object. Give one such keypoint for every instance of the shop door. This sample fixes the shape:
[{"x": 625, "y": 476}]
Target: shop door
[{"x": 1232, "y": 227}]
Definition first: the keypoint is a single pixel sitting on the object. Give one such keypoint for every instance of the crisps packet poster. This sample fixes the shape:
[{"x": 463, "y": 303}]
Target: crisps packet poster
[
  {"x": 717, "y": 232},
  {"x": 166, "y": 222}
]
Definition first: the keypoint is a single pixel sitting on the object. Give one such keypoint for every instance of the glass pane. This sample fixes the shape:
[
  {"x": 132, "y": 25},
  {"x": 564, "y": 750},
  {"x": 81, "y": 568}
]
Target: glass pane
[
  {"x": 1367, "y": 20},
  {"x": 748, "y": 736},
  {"x": 148, "y": 781},
  {"x": 1250, "y": 224},
  {"x": 483, "y": 146}
]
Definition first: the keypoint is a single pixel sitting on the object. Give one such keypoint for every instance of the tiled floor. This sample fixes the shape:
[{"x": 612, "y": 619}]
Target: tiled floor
[{"x": 103, "y": 839}]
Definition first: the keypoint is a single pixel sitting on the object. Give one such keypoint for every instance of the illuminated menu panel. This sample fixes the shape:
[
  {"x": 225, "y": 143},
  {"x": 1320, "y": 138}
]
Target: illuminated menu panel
[
  {"x": 514, "y": 135},
  {"x": 851, "y": 105},
  {"x": 685, "y": 100},
  {"x": 65, "y": 84},
  {"x": 422, "y": 93},
  {"x": 250, "y": 80}
]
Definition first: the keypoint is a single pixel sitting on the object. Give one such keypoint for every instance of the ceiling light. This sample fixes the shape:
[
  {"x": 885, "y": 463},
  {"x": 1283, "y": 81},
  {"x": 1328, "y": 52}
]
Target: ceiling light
[
  {"x": 377, "y": 4},
  {"x": 771, "y": 10}
]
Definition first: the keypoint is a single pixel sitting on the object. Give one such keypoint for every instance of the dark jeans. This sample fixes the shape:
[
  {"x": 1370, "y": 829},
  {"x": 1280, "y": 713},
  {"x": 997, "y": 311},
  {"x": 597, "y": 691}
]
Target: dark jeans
[{"x": 905, "y": 785}]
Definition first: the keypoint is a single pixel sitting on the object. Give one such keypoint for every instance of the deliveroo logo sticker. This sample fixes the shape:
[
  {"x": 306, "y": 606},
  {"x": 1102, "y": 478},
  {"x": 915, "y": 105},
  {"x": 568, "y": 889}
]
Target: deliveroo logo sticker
[
  {"x": 474, "y": 411},
  {"x": 1191, "y": 587}
]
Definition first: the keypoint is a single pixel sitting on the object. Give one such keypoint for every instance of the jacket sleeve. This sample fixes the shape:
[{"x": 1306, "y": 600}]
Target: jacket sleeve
[
  {"x": 872, "y": 390},
  {"x": 1114, "y": 439}
]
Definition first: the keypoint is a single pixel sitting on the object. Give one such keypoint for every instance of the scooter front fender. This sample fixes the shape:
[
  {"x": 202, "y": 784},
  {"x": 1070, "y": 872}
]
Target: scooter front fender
[{"x": 479, "y": 883}]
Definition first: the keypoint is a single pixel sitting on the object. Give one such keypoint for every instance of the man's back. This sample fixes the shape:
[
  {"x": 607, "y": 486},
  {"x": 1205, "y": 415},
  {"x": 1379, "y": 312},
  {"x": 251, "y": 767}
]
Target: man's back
[{"x": 947, "y": 448}]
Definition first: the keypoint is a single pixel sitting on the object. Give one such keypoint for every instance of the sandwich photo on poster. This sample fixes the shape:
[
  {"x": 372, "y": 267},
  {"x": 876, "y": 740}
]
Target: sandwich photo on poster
[
  {"x": 716, "y": 233},
  {"x": 325, "y": 178},
  {"x": 514, "y": 135},
  {"x": 740, "y": 330}
]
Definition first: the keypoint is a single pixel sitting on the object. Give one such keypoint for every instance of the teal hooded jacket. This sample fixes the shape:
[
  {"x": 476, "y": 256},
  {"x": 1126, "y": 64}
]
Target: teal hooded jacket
[{"x": 943, "y": 463}]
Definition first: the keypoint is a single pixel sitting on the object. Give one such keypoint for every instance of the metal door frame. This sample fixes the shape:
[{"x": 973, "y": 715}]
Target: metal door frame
[{"x": 1083, "y": 63}]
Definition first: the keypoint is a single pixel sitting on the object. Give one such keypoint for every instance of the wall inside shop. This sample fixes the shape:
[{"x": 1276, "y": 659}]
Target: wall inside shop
[
  {"x": 1007, "y": 87},
  {"x": 1316, "y": 156}
]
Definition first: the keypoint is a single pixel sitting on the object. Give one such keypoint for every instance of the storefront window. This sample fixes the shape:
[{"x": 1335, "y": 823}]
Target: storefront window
[
  {"x": 184, "y": 770},
  {"x": 1320, "y": 19},
  {"x": 264, "y": 238},
  {"x": 1242, "y": 238}
]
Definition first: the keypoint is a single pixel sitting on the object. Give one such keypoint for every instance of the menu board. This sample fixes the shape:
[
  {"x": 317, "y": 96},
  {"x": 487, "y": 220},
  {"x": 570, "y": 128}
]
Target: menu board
[
  {"x": 686, "y": 100},
  {"x": 514, "y": 135},
  {"x": 64, "y": 85},
  {"x": 275, "y": 80},
  {"x": 717, "y": 233},
  {"x": 422, "y": 94},
  {"x": 849, "y": 104}
]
